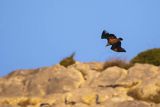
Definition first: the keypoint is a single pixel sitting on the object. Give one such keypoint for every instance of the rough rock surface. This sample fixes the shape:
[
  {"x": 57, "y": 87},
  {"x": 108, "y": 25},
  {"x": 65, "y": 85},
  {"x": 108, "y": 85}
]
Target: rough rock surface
[{"x": 82, "y": 85}]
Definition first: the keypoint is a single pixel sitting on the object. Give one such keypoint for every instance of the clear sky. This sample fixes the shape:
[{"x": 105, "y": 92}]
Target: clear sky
[{"x": 37, "y": 33}]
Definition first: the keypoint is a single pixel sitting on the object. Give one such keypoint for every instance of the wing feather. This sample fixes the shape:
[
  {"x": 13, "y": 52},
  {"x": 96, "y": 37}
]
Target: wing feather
[
  {"x": 106, "y": 35},
  {"x": 117, "y": 47}
]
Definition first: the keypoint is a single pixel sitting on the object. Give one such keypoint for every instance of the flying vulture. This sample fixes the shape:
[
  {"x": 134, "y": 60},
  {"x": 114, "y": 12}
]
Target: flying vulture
[{"x": 113, "y": 41}]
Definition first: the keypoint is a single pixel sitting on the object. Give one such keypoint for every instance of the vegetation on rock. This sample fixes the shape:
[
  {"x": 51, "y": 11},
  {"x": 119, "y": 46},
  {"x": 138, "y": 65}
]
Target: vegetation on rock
[
  {"x": 117, "y": 62},
  {"x": 151, "y": 56},
  {"x": 68, "y": 60}
]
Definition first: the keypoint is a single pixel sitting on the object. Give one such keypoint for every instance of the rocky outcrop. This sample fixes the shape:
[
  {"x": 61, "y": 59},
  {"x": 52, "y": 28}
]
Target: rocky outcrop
[{"x": 82, "y": 85}]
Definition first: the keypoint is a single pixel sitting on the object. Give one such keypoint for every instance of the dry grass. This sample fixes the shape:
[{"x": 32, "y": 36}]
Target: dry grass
[{"x": 117, "y": 62}]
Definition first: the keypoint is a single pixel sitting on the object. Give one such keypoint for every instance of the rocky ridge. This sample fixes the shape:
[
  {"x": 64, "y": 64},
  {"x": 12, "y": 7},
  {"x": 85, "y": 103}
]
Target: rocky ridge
[{"x": 82, "y": 85}]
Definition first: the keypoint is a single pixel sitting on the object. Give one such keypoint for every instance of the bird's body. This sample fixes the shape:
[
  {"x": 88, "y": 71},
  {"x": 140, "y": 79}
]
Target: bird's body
[{"x": 113, "y": 40}]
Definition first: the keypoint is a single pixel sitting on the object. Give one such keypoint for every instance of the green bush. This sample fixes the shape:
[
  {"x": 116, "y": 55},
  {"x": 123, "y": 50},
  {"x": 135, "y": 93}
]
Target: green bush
[
  {"x": 151, "y": 56},
  {"x": 68, "y": 60}
]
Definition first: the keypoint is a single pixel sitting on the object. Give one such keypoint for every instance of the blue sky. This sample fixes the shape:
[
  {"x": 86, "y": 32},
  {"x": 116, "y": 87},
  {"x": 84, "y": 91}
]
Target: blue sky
[{"x": 37, "y": 33}]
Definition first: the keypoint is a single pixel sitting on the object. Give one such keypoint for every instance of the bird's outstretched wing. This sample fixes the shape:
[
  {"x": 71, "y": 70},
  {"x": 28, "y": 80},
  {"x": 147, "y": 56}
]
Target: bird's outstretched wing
[
  {"x": 106, "y": 35},
  {"x": 117, "y": 47}
]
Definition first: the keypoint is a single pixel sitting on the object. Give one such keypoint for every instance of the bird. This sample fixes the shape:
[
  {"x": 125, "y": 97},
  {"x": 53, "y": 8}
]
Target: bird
[{"x": 113, "y": 41}]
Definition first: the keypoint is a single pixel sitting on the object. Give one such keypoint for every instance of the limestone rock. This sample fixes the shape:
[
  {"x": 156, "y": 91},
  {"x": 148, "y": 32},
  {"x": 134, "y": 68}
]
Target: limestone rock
[
  {"x": 87, "y": 70},
  {"x": 97, "y": 66},
  {"x": 148, "y": 90},
  {"x": 110, "y": 77},
  {"x": 41, "y": 82},
  {"x": 133, "y": 104},
  {"x": 143, "y": 71},
  {"x": 147, "y": 78},
  {"x": 82, "y": 85}
]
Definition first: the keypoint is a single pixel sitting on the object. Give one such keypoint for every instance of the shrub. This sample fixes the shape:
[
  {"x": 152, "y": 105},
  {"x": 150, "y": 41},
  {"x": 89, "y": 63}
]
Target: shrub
[
  {"x": 68, "y": 60},
  {"x": 117, "y": 62},
  {"x": 151, "y": 56}
]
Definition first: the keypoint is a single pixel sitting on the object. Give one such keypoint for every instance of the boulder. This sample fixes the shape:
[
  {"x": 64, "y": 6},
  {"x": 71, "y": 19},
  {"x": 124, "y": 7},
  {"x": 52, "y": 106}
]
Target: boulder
[
  {"x": 110, "y": 77},
  {"x": 82, "y": 85}
]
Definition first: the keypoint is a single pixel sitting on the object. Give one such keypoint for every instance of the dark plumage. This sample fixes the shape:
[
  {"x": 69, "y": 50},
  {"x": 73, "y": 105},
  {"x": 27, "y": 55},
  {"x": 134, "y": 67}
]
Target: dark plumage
[{"x": 113, "y": 40}]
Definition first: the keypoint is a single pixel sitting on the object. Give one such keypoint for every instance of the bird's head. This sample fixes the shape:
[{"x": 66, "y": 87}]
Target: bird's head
[{"x": 120, "y": 39}]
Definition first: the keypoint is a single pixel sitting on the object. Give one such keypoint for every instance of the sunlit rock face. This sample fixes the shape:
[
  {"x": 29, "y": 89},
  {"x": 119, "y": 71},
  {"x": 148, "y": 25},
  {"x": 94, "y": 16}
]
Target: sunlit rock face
[{"x": 82, "y": 85}]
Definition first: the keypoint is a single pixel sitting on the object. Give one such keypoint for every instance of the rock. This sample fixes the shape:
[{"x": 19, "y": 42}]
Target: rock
[
  {"x": 82, "y": 85},
  {"x": 132, "y": 104},
  {"x": 81, "y": 105},
  {"x": 87, "y": 71},
  {"x": 148, "y": 78},
  {"x": 157, "y": 105},
  {"x": 89, "y": 98},
  {"x": 143, "y": 71},
  {"x": 41, "y": 82},
  {"x": 58, "y": 82},
  {"x": 97, "y": 66},
  {"x": 20, "y": 101},
  {"x": 45, "y": 105},
  {"x": 110, "y": 77},
  {"x": 148, "y": 90}
]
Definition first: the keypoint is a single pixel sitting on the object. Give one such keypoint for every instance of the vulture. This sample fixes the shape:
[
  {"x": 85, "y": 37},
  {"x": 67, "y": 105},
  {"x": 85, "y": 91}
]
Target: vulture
[{"x": 113, "y": 41}]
